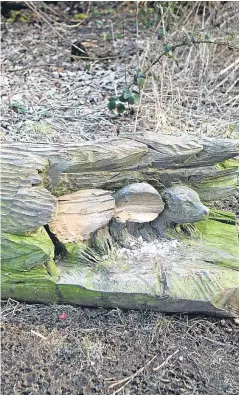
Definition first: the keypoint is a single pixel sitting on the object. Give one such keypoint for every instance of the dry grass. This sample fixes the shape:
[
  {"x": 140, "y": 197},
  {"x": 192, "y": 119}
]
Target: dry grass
[
  {"x": 200, "y": 95},
  {"x": 67, "y": 102}
]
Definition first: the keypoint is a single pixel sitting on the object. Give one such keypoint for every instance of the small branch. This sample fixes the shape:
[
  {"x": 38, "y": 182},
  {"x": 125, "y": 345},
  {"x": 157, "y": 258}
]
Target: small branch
[
  {"x": 165, "y": 362},
  {"x": 187, "y": 43},
  {"x": 128, "y": 379},
  {"x": 38, "y": 334}
]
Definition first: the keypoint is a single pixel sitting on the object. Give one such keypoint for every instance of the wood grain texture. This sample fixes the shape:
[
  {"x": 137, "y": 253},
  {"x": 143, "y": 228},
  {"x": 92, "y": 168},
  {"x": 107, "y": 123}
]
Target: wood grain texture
[
  {"x": 150, "y": 150},
  {"x": 81, "y": 213},
  {"x": 25, "y": 204},
  {"x": 211, "y": 182},
  {"x": 186, "y": 151},
  {"x": 113, "y": 155},
  {"x": 138, "y": 202},
  {"x": 32, "y": 173}
]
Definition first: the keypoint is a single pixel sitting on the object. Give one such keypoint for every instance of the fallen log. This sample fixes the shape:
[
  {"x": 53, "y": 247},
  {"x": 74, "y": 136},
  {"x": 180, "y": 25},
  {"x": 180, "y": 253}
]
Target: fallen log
[{"x": 76, "y": 224}]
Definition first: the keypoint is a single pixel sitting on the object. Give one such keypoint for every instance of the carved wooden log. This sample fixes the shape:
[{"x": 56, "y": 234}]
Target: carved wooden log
[
  {"x": 61, "y": 249},
  {"x": 187, "y": 151},
  {"x": 206, "y": 165}
]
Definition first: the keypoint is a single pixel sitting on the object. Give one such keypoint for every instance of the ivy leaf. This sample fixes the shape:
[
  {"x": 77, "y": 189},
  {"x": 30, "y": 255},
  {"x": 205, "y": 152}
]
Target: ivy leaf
[
  {"x": 167, "y": 48},
  {"x": 120, "y": 108},
  {"x": 111, "y": 105},
  {"x": 131, "y": 99},
  {"x": 113, "y": 98},
  {"x": 138, "y": 77},
  {"x": 127, "y": 94},
  {"x": 136, "y": 97},
  {"x": 122, "y": 98},
  {"x": 140, "y": 80}
]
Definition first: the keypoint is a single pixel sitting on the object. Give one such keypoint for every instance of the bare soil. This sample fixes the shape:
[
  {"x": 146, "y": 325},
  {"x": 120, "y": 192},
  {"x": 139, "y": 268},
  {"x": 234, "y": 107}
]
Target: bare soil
[
  {"x": 64, "y": 350},
  {"x": 97, "y": 351}
]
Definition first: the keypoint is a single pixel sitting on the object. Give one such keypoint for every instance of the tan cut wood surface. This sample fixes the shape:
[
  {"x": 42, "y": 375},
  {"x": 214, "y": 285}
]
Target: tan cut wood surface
[
  {"x": 82, "y": 213},
  {"x": 139, "y": 202}
]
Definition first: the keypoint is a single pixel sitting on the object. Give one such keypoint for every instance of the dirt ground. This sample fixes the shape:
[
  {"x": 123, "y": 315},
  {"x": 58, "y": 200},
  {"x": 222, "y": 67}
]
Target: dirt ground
[
  {"x": 97, "y": 351},
  {"x": 63, "y": 350}
]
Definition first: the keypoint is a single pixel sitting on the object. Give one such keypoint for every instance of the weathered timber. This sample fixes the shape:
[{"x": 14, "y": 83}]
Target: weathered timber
[
  {"x": 182, "y": 205},
  {"x": 113, "y": 155},
  {"x": 21, "y": 253},
  {"x": 122, "y": 155},
  {"x": 81, "y": 213},
  {"x": 185, "y": 151},
  {"x": 138, "y": 202},
  {"x": 76, "y": 257},
  {"x": 195, "y": 277},
  {"x": 211, "y": 182},
  {"x": 228, "y": 300},
  {"x": 25, "y": 203},
  {"x": 179, "y": 205}
]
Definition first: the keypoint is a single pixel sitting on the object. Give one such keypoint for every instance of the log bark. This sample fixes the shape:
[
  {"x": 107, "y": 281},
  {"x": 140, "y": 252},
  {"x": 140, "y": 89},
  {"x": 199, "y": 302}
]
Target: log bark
[
  {"x": 130, "y": 158},
  {"x": 186, "y": 151}
]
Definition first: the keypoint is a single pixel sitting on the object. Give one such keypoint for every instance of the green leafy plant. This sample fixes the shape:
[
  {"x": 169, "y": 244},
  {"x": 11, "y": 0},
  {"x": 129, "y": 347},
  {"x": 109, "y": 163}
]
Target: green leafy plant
[
  {"x": 131, "y": 94},
  {"x": 18, "y": 16},
  {"x": 20, "y": 108}
]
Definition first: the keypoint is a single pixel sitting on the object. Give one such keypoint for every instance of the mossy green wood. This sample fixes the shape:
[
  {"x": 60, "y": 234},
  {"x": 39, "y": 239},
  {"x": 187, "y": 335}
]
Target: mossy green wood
[
  {"x": 220, "y": 239},
  {"x": 29, "y": 272},
  {"x": 209, "y": 266},
  {"x": 23, "y": 253},
  {"x": 202, "y": 269}
]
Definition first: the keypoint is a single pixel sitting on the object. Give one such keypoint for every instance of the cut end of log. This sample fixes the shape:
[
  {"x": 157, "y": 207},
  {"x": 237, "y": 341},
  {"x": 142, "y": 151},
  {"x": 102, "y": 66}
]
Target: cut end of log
[
  {"x": 81, "y": 213},
  {"x": 138, "y": 202}
]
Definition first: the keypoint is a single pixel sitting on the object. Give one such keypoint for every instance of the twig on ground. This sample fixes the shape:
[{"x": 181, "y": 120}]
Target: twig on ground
[
  {"x": 11, "y": 306},
  {"x": 166, "y": 361},
  {"x": 128, "y": 379},
  {"x": 38, "y": 334}
]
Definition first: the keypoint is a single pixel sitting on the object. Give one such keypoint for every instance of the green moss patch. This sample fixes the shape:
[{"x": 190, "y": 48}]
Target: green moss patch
[
  {"x": 220, "y": 236},
  {"x": 22, "y": 253}
]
